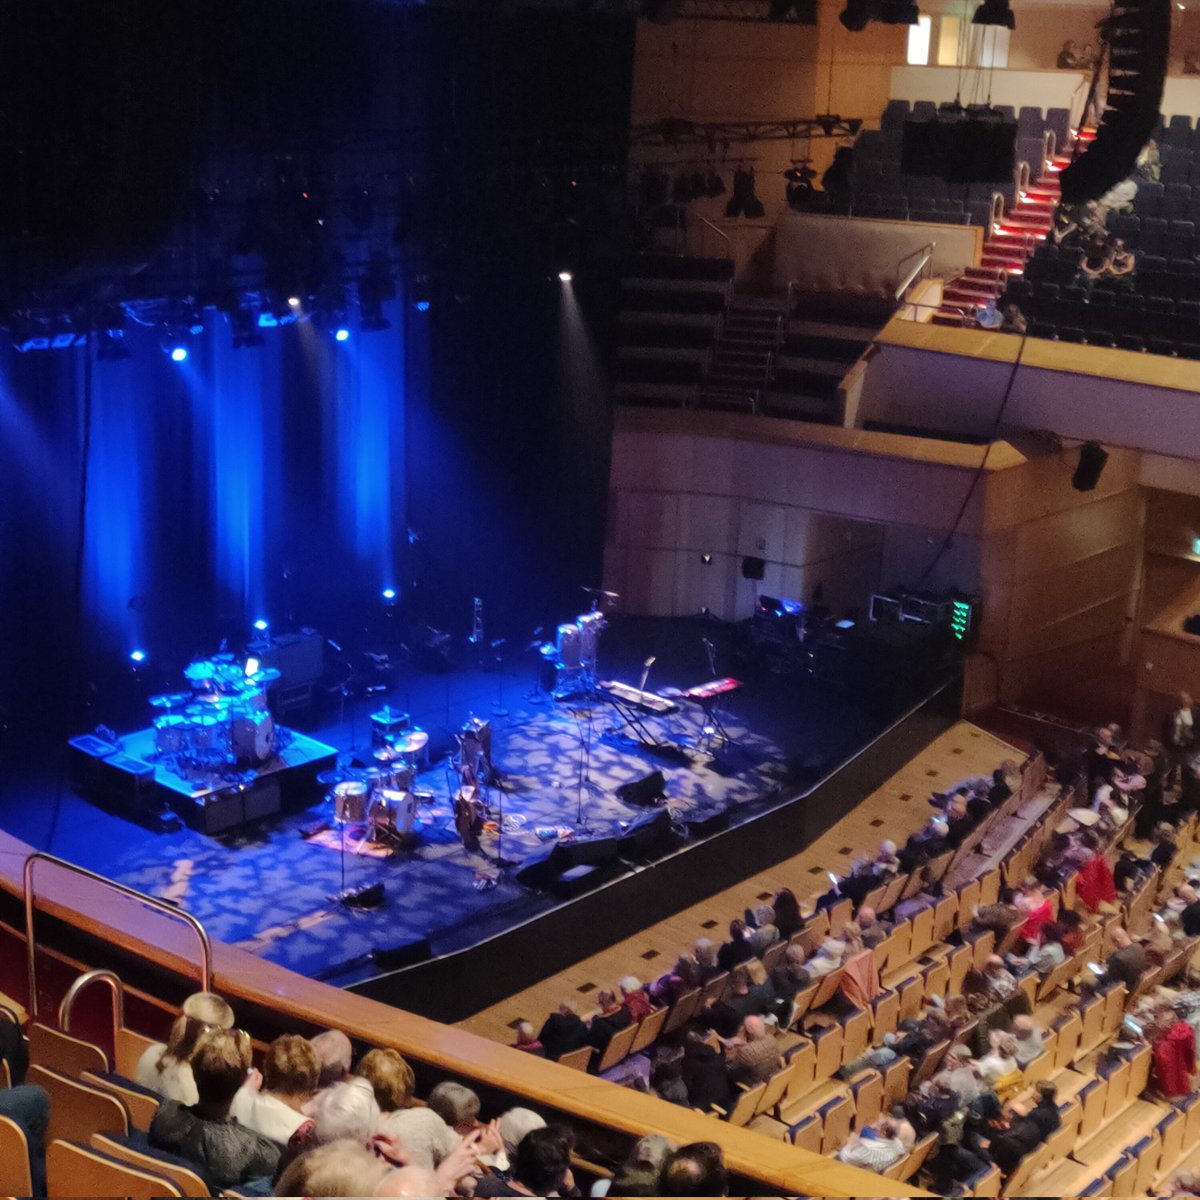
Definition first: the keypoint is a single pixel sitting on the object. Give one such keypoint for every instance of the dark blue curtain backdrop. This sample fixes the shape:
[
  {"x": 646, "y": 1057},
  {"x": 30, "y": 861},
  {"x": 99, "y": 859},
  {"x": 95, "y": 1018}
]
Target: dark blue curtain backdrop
[{"x": 238, "y": 484}]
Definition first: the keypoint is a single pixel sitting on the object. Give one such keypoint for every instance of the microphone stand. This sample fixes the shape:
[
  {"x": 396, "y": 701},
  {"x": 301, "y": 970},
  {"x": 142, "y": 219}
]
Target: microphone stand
[{"x": 498, "y": 708}]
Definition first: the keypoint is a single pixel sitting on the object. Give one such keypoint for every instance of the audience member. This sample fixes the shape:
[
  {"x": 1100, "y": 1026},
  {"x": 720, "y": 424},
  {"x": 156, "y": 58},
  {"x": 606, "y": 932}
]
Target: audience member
[
  {"x": 697, "y": 1169},
  {"x": 166, "y": 1069},
  {"x": 563, "y": 1031},
  {"x": 999, "y": 980},
  {"x": 827, "y": 959},
  {"x": 611, "y": 1019},
  {"x": 738, "y": 949},
  {"x": 341, "y": 1168},
  {"x": 541, "y": 1166},
  {"x": 787, "y": 913},
  {"x": 634, "y": 999},
  {"x": 871, "y": 929},
  {"x": 639, "y": 1174},
  {"x": 527, "y": 1040},
  {"x": 705, "y": 1075},
  {"x": 754, "y": 1057},
  {"x": 334, "y": 1056},
  {"x": 289, "y": 1080},
  {"x": 28, "y": 1107},
  {"x": 1030, "y": 1040},
  {"x": 1127, "y": 962},
  {"x": 1174, "y": 1049},
  {"x": 204, "y": 1133},
  {"x": 876, "y": 1147},
  {"x": 1179, "y": 736},
  {"x": 705, "y": 954}
]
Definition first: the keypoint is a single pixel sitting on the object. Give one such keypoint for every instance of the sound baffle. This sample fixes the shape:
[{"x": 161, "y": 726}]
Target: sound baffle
[{"x": 961, "y": 146}]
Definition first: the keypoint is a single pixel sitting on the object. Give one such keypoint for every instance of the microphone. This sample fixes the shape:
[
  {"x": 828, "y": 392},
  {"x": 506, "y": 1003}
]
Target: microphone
[
  {"x": 333, "y": 645},
  {"x": 650, "y": 662}
]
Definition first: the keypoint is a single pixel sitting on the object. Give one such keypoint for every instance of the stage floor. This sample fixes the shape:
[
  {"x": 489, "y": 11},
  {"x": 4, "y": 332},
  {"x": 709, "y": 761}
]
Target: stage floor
[{"x": 268, "y": 889}]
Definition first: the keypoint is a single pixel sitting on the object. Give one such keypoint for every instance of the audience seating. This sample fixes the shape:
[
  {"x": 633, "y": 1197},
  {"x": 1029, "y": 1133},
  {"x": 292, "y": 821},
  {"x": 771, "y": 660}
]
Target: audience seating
[
  {"x": 15, "y": 1178},
  {"x": 76, "y": 1170},
  {"x": 76, "y": 1109}
]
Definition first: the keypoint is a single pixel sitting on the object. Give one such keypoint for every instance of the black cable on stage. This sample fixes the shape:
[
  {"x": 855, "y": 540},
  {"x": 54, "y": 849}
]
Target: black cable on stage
[{"x": 978, "y": 475}]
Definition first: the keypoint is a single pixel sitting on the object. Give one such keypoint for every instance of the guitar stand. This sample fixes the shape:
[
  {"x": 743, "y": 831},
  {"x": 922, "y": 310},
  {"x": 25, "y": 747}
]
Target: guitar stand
[{"x": 713, "y": 729}]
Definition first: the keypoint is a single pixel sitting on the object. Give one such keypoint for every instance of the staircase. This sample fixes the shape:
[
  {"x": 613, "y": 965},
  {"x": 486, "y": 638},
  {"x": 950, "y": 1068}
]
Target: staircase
[
  {"x": 1008, "y": 248},
  {"x": 744, "y": 356}
]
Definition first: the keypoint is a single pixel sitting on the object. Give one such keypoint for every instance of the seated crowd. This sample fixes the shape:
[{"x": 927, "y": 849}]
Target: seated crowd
[
  {"x": 312, "y": 1120},
  {"x": 977, "y": 1102}
]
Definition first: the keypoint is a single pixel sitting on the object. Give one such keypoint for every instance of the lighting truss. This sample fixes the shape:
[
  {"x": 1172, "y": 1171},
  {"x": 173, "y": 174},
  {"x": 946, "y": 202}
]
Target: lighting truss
[{"x": 674, "y": 131}]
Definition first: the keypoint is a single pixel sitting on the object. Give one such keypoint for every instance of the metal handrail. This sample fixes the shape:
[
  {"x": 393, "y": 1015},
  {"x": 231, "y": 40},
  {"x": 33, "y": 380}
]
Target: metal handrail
[
  {"x": 716, "y": 229},
  {"x": 926, "y": 258},
  {"x": 141, "y": 897},
  {"x": 99, "y": 975}
]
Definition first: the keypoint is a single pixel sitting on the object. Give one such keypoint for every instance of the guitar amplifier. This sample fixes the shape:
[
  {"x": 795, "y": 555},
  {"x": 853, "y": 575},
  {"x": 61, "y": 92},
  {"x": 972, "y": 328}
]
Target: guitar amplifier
[{"x": 298, "y": 657}]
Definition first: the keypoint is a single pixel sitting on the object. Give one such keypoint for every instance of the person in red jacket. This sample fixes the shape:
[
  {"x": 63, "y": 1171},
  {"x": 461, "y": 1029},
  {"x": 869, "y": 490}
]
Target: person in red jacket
[{"x": 1175, "y": 1057}]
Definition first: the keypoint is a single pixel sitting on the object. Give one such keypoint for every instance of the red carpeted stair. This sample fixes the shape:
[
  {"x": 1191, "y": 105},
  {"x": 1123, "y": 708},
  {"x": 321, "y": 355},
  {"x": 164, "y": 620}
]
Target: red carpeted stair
[{"x": 1007, "y": 250}]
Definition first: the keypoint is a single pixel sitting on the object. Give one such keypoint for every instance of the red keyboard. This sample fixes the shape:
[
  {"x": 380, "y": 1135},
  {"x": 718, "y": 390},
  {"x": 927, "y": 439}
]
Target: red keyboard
[{"x": 712, "y": 689}]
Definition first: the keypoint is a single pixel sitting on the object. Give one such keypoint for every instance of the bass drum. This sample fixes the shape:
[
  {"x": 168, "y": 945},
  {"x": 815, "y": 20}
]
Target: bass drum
[
  {"x": 591, "y": 626},
  {"x": 252, "y": 736},
  {"x": 170, "y": 734},
  {"x": 568, "y": 646},
  {"x": 394, "y": 811}
]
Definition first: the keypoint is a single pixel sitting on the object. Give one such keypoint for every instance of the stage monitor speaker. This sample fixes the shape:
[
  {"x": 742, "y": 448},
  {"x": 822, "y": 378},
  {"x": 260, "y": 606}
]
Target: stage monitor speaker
[
  {"x": 645, "y": 835},
  {"x": 1092, "y": 457},
  {"x": 542, "y": 869},
  {"x": 645, "y": 791},
  {"x": 753, "y": 568},
  {"x": 403, "y": 954}
]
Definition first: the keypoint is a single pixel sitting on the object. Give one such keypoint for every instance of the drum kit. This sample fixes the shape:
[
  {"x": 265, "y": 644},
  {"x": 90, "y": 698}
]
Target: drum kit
[
  {"x": 380, "y": 799},
  {"x": 577, "y": 647},
  {"x": 223, "y": 721}
]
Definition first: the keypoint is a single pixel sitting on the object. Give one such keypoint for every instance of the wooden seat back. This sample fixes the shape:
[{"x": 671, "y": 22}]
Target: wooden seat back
[
  {"x": 15, "y": 1176},
  {"x": 617, "y": 1049},
  {"x": 579, "y": 1059},
  {"x": 77, "y": 1110},
  {"x": 49, "y": 1047},
  {"x": 140, "y": 1105},
  {"x": 187, "y": 1181},
  {"x": 649, "y": 1031},
  {"x": 75, "y": 1170}
]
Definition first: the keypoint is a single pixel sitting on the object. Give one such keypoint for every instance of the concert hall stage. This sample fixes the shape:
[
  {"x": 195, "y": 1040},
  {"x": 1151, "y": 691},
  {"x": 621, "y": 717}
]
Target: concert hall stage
[{"x": 269, "y": 886}]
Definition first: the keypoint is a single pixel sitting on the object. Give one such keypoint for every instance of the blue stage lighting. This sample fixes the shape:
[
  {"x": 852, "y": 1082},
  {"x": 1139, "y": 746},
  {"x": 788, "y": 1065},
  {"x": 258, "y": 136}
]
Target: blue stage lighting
[
  {"x": 137, "y": 656},
  {"x": 261, "y": 625},
  {"x": 179, "y": 354},
  {"x": 342, "y": 335},
  {"x": 422, "y": 306},
  {"x": 389, "y": 594}
]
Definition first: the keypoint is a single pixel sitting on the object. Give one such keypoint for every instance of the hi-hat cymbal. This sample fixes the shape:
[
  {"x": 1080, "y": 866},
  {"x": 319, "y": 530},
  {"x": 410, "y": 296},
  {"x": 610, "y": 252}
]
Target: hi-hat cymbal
[{"x": 170, "y": 700}]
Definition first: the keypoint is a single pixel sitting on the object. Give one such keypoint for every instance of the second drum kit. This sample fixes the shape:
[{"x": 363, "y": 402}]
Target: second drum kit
[{"x": 381, "y": 799}]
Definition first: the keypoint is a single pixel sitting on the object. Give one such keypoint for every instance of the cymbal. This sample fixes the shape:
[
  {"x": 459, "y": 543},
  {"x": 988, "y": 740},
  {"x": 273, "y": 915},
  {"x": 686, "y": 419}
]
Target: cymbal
[
  {"x": 600, "y": 593},
  {"x": 265, "y": 677},
  {"x": 336, "y": 775},
  {"x": 170, "y": 700},
  {"x": 413, "y": 742}
]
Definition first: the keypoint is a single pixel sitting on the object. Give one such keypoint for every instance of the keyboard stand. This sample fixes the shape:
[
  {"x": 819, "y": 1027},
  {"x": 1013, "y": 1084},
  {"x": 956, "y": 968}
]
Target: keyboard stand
[
  {"x": 712, "y": 727},
  {"x": 632, "y": 717}
]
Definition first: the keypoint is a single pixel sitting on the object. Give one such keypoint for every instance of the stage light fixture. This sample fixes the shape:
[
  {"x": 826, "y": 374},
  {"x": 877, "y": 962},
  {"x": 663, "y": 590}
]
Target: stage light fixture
[
  {"x": 389, "y": 595},
  {"x": 294, "y": 301},
  {"x": 137, "y": 656},
  {"x": 341, "y": 335},
  {"x": 262, "y": 625},
  {"x": 178, "y": 354},
  {"x": 422, "y": 306},
  {"x": 565, "y": 276},
  {"x": 995, "y": 12}
]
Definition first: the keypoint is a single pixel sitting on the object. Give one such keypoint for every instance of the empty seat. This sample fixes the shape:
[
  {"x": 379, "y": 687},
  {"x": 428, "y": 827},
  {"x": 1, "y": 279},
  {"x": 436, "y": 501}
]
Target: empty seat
[
  {"x": 1148, "y": 199},
  {"x": 1059, "y": 121},
  {"x": 869, "y": 145},
  {"x": 924, "y": 110},
  {"x": 1178, "y": 131},
  {"x": 894, "y": 115},
  {"x": 1029, "y": 122},
  {"x": 1130, "y": 341},
  {"x": 1176, "y": 202}
]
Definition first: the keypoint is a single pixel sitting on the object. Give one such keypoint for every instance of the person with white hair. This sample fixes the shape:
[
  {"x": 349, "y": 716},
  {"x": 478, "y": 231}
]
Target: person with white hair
[
  {"x": 754, "y": 1057},
  {"x": 166, "y": 1069},
  {"x": 345, "y": 1110},
  {"x": 959, "y": 1075},
  {"x": 827, "y": 958},
  {"x": 634, "y": 999},
  {"x": 639, "y": 1174},
  {"x": 876, "y": 1147},
  {"x": 1030, "y": 1039},
  {"x": 339, "y": 1168},
  {"x": 705, "y": 954},
  {"x": 453, "y": 1175},
  {"x": 334, "y": 1055},
  {"x": 515, "y": 1124}
]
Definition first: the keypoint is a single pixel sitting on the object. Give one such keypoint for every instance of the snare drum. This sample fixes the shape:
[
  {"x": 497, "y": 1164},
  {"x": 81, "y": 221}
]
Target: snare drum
[
  {"x": 205, "y": 733},
  {"x": 568, "y": 646},
  {"x": 350, "y": 802}
]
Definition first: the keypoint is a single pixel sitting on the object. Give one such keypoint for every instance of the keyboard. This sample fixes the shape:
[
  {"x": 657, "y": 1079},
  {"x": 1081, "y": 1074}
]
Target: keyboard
[
  {"x": 704, "y": 692},
  {"x": 647, "y": 702}
]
